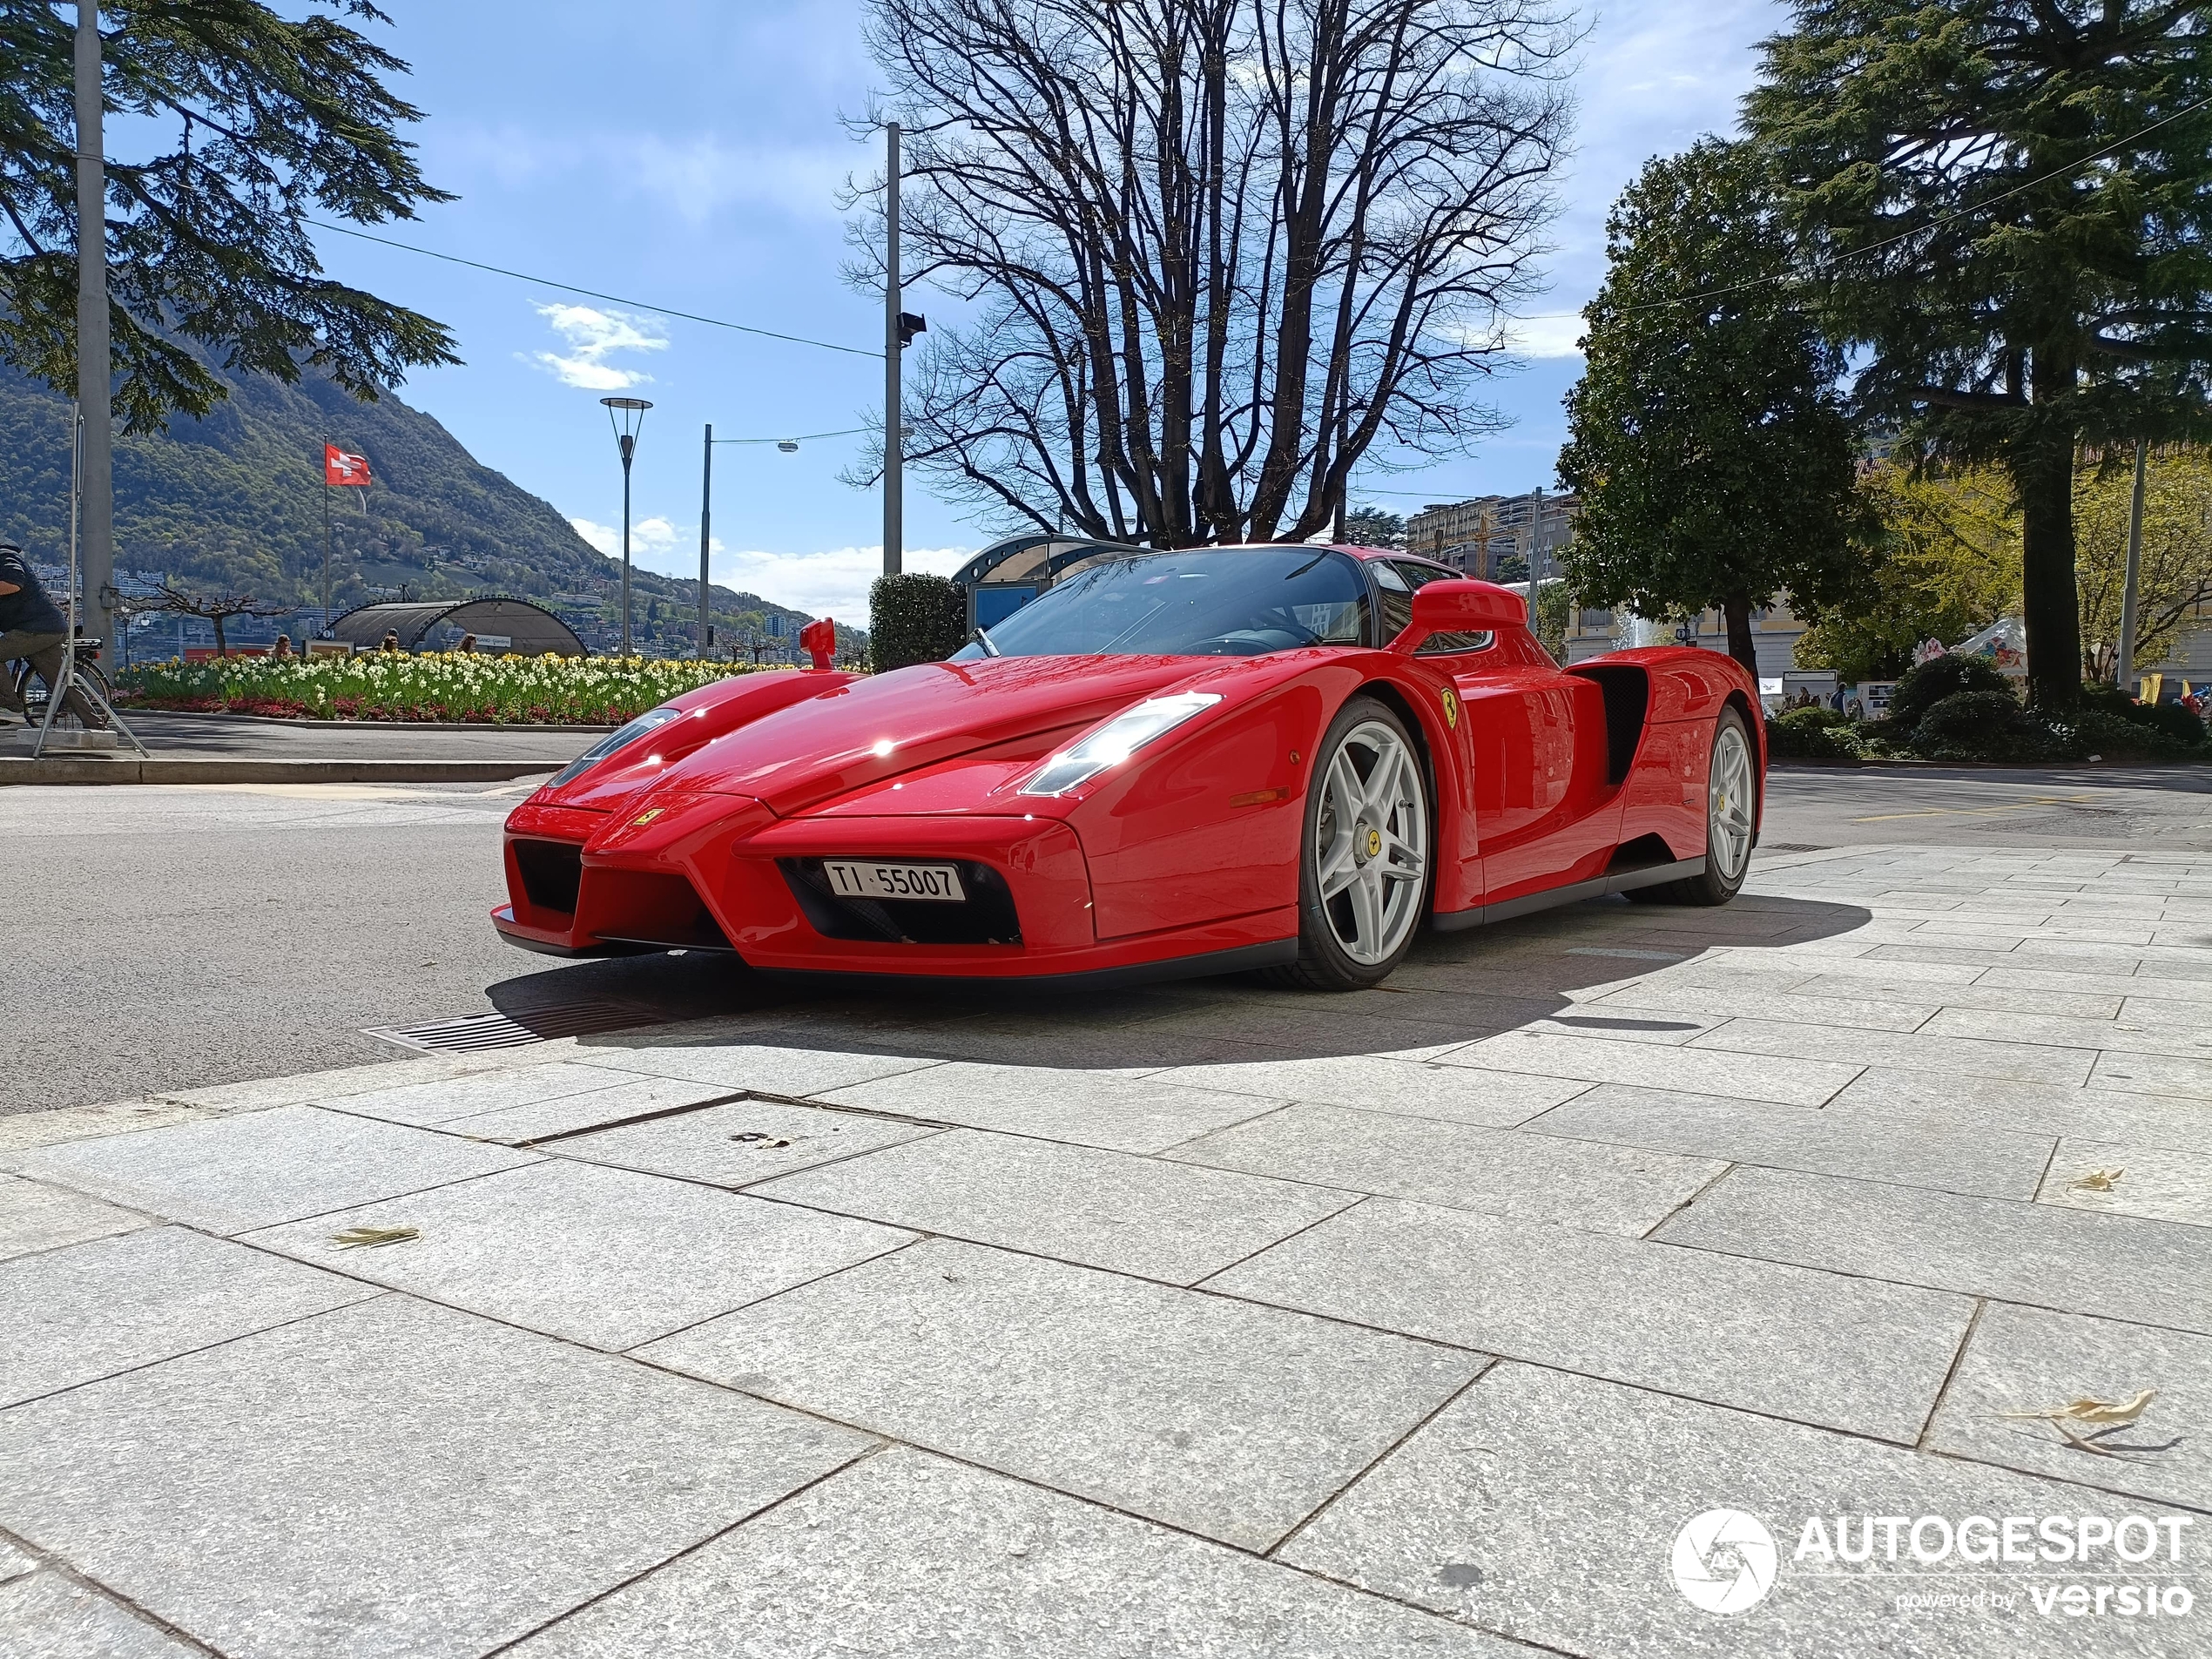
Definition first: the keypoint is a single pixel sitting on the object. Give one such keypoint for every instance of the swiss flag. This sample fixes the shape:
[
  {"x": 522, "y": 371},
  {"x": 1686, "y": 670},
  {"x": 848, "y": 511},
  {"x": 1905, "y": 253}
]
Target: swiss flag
[{"x": 339, "y": 468}]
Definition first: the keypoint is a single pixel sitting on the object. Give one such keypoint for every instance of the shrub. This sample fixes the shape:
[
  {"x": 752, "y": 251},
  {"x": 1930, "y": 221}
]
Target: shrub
[
  {"x": 2170, "y": 719},
  {"x": 1987, "y": 724},
  {"x": 913, "y": 619},
  {"x": 1929, "y": 683},
  {"x": 1814, "y": 734},
  {"x": 2120, "y": 736}
]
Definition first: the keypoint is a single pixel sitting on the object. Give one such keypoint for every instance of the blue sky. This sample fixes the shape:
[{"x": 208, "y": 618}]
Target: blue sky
[{"x": 689, "y": 155}]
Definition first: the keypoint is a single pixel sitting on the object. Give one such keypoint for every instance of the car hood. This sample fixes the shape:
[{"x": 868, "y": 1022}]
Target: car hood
[{"x": 886, "y": 725}]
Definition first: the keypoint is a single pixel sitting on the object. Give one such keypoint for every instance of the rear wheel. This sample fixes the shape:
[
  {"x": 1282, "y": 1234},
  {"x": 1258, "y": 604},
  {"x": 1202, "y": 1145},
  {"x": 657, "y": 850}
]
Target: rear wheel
[
  {"x": 1364, "y": 855},
  {"x": 1732, "y": 801}
]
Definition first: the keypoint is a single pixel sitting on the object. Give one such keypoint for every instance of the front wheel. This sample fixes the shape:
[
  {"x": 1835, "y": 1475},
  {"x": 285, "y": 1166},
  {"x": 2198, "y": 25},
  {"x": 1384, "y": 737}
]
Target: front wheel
[
  {"x": 1363, "y": 853},
  {"x": 1731, "y": 802}
]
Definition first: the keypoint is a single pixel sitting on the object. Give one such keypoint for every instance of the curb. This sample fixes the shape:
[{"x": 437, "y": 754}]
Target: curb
[
  {"x": 302, "y": 723},
  {"x": 86, "y": 769}
]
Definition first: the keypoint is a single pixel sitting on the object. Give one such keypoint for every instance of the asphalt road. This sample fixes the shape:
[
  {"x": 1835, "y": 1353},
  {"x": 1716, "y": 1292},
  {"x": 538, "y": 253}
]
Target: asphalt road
[{"x": 170, "y": 938}]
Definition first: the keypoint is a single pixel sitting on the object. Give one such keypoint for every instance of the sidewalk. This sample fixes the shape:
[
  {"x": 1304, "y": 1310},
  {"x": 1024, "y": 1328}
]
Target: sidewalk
[
  {"x": 215, "y": 748},
  {"x": 1198, "y": 1319}
]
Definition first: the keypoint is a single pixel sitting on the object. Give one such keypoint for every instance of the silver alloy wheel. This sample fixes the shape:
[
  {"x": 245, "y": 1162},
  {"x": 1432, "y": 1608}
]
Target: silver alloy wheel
[
  {"x": 1371, "y": 843},
  {"x": 1730, "y": 796}
]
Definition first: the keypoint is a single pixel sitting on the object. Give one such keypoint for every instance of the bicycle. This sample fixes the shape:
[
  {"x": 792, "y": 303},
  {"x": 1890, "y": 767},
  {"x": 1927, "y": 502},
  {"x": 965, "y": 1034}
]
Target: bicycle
[{"x": 29, "y": 685}]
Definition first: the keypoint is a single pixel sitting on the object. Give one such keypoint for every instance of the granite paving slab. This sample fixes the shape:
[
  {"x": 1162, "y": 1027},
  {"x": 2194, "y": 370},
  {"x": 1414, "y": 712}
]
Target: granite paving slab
[
  {"x": 770, "y": 1067},
  {"x": 1908, "y": 1050},
  {"x": 2012, "y": 1107},
  {"x": 601, "y": 1256},
  {"x": 641, "y": 1098},
  {"x": 98, "y": 1308},
  {"x": 2120, "y": 1179},
  {"x": 13, "y": 1562},
  {"x": 2194, "y": 992},
  {"x": 1852, "y": 1354},
  {"x": 2152, "y": 1074},
  {"x": 1508, "y": 1172},
  {"x": 1420, "y": 1090},
  {"x": 1970, "y": 1159},
  {"x": 48, "y": 1616},
  {"x": 910, "y": 1555},
  {"x": 1848, "y": 1007},
  {"x": 2041, "y": 1255},
  {"x": 743, "y": 1142},
  {"x": 1176, "y": 1222},
  {"x": 1121, "y": 1114},
  {"x": 2072, "y": 1005},
  {"x": 1549, "y": 1506},
  {"x": 2028, "y": 1360},
  {"x": 1702, "y": 1069},
  {"x": 442, "y": 1099},
  {"x": 233, "y": 1174},
  {"x": 440, "y": 1485},
  {"x": 1210, "y": 1414},
  {"x": 306, "y": 1089},
  {"x": 2180, "y": 1038},
  {"x": 34, "y": 1216}
]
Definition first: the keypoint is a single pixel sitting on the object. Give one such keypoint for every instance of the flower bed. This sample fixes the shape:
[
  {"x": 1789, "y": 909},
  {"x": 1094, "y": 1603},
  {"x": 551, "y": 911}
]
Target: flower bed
[{"x": 456, "y": 687}]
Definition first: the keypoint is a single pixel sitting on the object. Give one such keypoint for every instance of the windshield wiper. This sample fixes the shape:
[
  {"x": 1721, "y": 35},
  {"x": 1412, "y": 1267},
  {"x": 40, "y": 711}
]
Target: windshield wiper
[{"x": 979, "y": 637}]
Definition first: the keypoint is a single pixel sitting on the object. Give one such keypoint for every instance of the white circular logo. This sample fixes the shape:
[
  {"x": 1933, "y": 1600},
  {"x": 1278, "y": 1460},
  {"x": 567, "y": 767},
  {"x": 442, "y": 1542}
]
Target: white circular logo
[{"x": 1725, "y": 1561}]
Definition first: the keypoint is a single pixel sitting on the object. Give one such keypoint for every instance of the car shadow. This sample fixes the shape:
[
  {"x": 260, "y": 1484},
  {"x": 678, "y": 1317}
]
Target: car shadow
[{"x": 1453, "y": 988}]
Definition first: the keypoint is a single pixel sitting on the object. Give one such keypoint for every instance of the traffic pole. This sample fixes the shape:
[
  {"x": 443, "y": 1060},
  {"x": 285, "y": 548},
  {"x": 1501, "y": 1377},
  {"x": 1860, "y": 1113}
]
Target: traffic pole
[
  {"x": 2126, "y": 664},
  {"x": 706, "y": 517},
  {"x": 93, "y": 372},
  {"x": 894, "y": 435}
]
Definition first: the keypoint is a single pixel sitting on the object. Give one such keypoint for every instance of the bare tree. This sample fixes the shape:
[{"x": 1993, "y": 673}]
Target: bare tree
[
  {"x": 218, "y": 608},
  {"x": 1219, "y": 248}
]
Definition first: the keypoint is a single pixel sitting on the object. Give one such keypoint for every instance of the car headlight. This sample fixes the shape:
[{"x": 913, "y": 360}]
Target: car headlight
[
  {"x": 1115, "y": 741},
  {"x": 621, "y": 737}
]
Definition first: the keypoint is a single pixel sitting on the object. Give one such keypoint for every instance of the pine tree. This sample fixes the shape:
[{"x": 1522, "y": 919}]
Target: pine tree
[
  {"x": 273, "y": 120},
  {"x": 2010, "y": 202}
]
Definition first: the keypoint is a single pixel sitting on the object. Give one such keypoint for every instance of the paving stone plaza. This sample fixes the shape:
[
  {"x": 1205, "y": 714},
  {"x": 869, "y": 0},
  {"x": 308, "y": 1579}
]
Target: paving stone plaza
[{"x": 1198, "y": 1319}]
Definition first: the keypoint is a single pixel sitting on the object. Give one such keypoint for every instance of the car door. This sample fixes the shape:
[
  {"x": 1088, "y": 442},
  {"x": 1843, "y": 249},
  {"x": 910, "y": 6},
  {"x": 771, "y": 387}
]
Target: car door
[{"x": 1544, "y": 813}]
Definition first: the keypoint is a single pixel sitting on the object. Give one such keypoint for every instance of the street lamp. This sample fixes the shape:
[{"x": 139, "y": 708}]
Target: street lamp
[{"x": 625, "y": 414}]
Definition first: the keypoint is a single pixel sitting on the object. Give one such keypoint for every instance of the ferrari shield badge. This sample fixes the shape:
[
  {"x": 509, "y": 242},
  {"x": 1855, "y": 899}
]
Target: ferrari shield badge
[{"x": 1451, "y": 708}]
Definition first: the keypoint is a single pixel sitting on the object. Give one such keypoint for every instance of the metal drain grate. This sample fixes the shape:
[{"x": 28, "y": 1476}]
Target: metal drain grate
[
  {"x": 1790, "y": 847},
  {"x": 475, "y": 1033}
]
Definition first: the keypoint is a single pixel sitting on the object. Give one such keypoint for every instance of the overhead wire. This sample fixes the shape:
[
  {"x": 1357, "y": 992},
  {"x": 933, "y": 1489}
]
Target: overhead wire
[{"x": 594, "y": 293}]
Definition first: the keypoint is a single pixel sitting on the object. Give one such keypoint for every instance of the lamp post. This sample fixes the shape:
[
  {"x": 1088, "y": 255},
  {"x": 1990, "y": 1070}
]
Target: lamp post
[{"x": 625, "y": 414}]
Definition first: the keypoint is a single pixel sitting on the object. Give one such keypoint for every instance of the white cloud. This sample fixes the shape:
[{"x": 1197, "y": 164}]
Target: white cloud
[
  {"x": 829, "y": 583},
  {"x": 1549, "y": 334},
  {"x": 591, "y": 336}
]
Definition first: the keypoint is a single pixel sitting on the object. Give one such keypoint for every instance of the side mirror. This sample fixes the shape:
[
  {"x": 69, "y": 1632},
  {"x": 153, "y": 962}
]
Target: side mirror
[{"x": 1463, "y": 607}]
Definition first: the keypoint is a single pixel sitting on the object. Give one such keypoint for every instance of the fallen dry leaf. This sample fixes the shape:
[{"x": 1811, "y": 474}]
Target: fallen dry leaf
[
  {"x": 360, "y": 1238},
  {"x": 2095, "y": 1181},
  {"x": 2099, "y": 1413}
]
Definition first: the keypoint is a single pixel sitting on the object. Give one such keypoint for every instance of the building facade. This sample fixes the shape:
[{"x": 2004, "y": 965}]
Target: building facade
[{"x": 1496, "y": 538}]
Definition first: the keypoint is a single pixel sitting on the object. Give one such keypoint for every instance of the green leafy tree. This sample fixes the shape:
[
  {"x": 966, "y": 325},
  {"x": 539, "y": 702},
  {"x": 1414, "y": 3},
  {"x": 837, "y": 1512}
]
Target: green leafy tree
[
  {"x": 267, "y": 119},
  {"x": 1374, "y": 526},
  {"x": 1707, "y": 439},
  {"x": 2010, "y": 202}
]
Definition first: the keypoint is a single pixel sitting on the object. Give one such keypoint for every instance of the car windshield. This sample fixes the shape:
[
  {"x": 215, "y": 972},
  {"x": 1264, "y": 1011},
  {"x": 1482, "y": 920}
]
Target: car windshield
[{"x": 1206, "y": 602}]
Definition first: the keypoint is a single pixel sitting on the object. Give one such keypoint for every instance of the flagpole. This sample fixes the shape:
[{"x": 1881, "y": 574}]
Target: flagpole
[{"x": 325, "y": 533}]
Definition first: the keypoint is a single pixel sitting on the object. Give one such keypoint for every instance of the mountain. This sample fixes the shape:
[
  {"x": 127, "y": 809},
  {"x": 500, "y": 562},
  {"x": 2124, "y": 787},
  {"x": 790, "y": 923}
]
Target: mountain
[{"x": 235, "y": 502}]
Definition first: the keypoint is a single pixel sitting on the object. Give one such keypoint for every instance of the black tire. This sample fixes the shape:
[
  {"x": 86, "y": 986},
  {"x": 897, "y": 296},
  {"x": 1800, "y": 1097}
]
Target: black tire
[
  {"x": 1728, "y": 857},
  {"x": 1324, "y": 963}
]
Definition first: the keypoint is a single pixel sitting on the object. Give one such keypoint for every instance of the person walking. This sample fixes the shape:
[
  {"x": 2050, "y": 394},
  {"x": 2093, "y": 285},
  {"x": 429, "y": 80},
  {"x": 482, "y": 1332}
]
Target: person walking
[{"x": 32, "y": 629}]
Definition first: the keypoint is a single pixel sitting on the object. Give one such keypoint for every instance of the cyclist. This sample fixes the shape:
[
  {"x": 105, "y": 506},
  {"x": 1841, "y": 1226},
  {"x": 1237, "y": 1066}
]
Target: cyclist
[{"x": 33, "y": 631}]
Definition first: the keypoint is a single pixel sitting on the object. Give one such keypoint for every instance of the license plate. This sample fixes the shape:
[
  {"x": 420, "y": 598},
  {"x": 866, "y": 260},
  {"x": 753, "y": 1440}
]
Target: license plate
[{"x": 937, "y": 882}]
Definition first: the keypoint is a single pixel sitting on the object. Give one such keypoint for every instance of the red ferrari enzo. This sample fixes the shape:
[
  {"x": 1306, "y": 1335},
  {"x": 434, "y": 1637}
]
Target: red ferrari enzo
[{"x": 1165, "y": 762}]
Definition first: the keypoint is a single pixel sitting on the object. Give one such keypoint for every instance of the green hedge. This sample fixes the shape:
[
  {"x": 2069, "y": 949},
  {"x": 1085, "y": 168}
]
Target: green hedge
[{"x": 915, "y": 618}]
